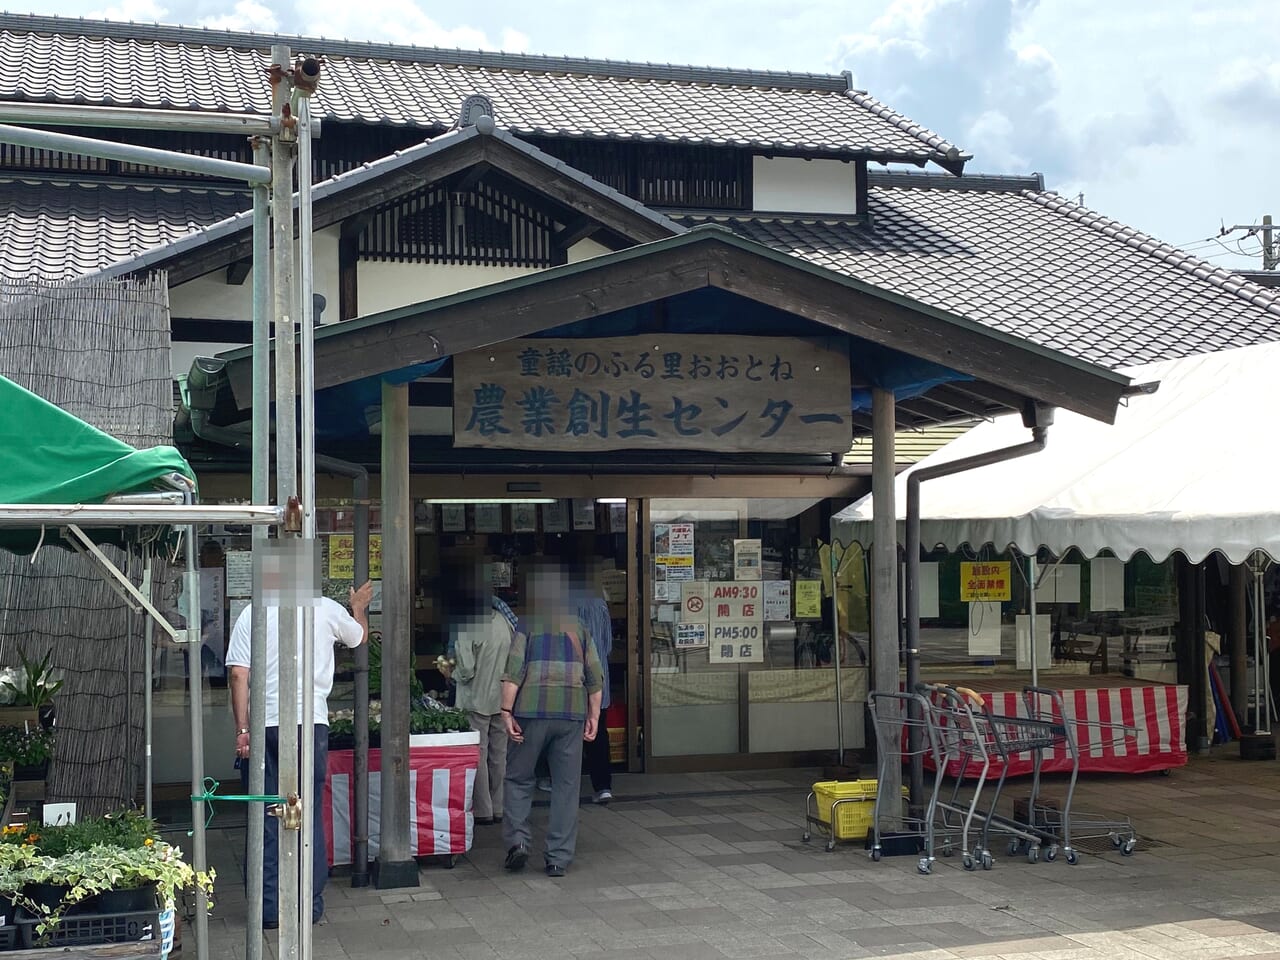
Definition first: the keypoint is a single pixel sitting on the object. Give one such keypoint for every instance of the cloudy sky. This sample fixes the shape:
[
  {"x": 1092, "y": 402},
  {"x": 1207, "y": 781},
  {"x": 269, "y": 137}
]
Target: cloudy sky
[{"x": 1163, "y": 113}]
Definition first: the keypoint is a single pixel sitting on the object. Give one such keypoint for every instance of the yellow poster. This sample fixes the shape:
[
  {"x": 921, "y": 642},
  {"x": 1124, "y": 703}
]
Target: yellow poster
[
  {"x": 342, "y": 558},
  {"x": 808, "y": 595},
  {"x": 985, "y": 580}
]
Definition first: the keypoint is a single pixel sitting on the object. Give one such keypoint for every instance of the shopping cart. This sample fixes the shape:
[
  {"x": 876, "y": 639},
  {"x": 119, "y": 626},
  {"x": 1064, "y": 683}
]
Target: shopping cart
[
  {"x": 903, "y": 731},
  {"x": 1062, "y": 827}
]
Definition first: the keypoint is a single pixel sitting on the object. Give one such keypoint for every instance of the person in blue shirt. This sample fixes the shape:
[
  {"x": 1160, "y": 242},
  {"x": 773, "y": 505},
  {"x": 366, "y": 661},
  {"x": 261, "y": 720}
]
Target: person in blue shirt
[{"x": 593, "y": 611}]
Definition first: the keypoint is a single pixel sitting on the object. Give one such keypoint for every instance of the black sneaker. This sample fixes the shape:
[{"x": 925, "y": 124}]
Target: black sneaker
[
  {"x": 517, "y": 857},
  {"x": 555, "y": 871}
]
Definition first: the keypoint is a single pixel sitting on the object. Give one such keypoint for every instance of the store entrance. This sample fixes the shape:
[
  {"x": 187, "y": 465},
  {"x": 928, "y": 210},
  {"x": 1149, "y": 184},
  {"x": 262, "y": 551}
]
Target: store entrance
[{"x": 506, "y": 538}]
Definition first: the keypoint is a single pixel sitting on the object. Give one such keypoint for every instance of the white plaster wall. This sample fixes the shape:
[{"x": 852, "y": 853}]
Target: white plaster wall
[
  {"x": 586, "y": 249},
  {"x": 385, "y": 285},
  {"x": 211, "y": 298},
  {"x": 796, "y": 185}
]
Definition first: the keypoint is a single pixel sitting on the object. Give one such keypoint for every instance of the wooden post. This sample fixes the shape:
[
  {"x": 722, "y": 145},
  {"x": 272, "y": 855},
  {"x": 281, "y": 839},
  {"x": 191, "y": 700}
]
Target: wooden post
[
  {"x": 396, "y": 866},
  {"x": 884, "y": 583}
]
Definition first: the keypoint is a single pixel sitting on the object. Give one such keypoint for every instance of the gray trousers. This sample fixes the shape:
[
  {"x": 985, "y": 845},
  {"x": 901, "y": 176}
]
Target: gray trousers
[
  {"x": 560, "y": 741},
  {"x": 486, "y": 803}
]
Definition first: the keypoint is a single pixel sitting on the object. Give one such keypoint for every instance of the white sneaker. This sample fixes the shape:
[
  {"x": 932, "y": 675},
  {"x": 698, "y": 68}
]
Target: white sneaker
[
  {"x": 544, "y": 784},
  {"x": 604, "y": 796}
]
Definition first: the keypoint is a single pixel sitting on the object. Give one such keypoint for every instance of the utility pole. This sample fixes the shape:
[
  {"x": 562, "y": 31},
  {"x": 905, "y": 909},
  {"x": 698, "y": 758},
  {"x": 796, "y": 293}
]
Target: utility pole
[{"x": 1268, "y": 251}]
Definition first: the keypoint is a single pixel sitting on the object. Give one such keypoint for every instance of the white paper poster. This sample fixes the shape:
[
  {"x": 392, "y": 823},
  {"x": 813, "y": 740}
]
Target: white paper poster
[
  {"x": 777, "y": 599},
  {"x": 499, "y": 575},
  {"x": 613, "y": 584},
  {"x": 237, "y": 608},
  {"x": 424, "y": 517},
  {"x": 691, "y": 635},
  {"x": 524, "y": 518},
  {"x": 746, "y": 559},
  {"x": 1059, "y": 584},
  {"x": 678, "y": 568},
  {"x": 584, "y": 514},
  {"x": 928, "y": 588},
  {"x": 239, "y": 573},
  {"x": 617, "y": 518},
  {"x": 1106, "y": 584},
  {"x": 984, "y": 628},
  {"x": 739, "y": 641},
  {"x": 736, "y": 601},
  {"x": 488, "y": 518},
  {"x": 681, "y": 540},
  {"x": 1044, "y": 641},
  {"x": 695, "y": 603},
  {"x": 555, "y": 517},
  {"x": 453, "y": 518},
  {"x": 212, "y": 612},
  {"x": 375, "y": 602},
  {"x": 660, "y": 591}
]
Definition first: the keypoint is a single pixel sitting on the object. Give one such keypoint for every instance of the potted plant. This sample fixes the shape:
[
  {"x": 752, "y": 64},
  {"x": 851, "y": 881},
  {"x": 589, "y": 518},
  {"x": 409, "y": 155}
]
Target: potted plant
[
  {"x": 29, "y": 687},
  {"x": 27, "y": 750}
]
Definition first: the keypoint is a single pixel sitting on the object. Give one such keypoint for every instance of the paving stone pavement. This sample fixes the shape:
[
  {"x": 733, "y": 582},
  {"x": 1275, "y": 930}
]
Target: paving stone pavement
[{"x": 711, "y": 866}]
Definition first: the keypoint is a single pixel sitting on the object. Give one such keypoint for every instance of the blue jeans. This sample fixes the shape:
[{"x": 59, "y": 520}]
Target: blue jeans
[{"x": 271, "y": 844}]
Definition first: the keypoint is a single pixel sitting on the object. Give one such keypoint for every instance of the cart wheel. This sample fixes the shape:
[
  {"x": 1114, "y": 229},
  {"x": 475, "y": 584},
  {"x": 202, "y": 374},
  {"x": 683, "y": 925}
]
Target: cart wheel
[
  {"x": 1166, "y": 773},
  {"x": 804, "y": 837},
  {"x": 1129, "y": 846},
  {"x": 1072, "y": 857},
  {"x": 450, "y": 862},
  {"x": 876, "y": 854},
  {"x": 967, "y": 862},
  {"x": 987, "y": 862},
  {"x": 1117, "y": 841},
  {"x": 1013, "y": 848},
  {"x": 947, "y": 851},
  {"x": 924, "y": 867},
  {"x": 1033, "y": 854},
  {"x": 831, "y": 845},
  {"x": 1052, "y": 853}
]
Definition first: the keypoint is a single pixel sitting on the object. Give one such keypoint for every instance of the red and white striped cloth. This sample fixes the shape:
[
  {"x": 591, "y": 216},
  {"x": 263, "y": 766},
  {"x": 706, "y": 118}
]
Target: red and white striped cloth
[
  {"x": 441, "y": 783},
  {"x": 1153, "y": 741}
]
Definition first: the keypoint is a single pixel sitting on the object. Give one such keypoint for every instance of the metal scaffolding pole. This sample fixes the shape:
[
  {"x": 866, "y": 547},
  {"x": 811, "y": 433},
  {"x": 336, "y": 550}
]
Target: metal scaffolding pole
[
  {"x": 282, "y": 160},
  {"x": 195, "y": 642},
  {"x": 261, "y": 492},
  {"x": 134, "y": 118},
  {"x": 305, "y": 75},
  {"x": 147, "y": 667}
]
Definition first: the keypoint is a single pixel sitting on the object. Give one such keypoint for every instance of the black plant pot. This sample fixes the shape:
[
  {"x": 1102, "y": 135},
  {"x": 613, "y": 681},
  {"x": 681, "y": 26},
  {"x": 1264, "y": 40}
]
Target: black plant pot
[
  {"x": 51, "y": 895},
  {"x": 48, "y": 716},
  {"x": 137, "y": 900},
  {"x": 38, "y": 772},
  {"x": 342, "y": 741}
]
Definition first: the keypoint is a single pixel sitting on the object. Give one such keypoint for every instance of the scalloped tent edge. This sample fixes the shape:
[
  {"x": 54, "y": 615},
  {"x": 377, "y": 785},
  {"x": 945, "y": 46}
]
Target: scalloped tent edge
[{"x": 1184, "y": 470}]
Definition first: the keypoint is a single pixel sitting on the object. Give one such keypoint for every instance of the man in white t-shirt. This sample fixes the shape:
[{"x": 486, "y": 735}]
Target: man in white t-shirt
[{"x": 332, "y": 625}]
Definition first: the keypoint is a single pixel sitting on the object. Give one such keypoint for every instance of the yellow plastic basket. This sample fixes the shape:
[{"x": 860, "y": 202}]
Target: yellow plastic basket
[
  {"x": 855, "y": 811},
  {"x": 617, "y": 745}
]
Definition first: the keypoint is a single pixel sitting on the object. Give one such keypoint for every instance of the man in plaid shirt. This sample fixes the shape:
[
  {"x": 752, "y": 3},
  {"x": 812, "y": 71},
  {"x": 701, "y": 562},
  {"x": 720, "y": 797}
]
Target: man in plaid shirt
[{"x": 551, "y": 703}]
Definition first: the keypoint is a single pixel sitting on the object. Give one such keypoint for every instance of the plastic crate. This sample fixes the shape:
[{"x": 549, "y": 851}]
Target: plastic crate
[
  {"x": 9, "y": 937},
  {"x": 90, "y": 929},
  {"x": 617, "y": 745},
  {"x": 855, "y": 811}
]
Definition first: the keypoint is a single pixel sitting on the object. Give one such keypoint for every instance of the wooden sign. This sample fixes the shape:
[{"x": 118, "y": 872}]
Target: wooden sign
[{"x": 668, "y": 391}]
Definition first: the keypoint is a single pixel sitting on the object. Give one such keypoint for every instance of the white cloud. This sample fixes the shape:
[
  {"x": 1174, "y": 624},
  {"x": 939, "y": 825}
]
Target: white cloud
[
  {"x": 960, "y": 67},
  {"x": 1249, "y": 89},
  {"x": 398, "y": 21},
  {"x": 246, "y": 15},
  {"x": 138, "y": 11}
]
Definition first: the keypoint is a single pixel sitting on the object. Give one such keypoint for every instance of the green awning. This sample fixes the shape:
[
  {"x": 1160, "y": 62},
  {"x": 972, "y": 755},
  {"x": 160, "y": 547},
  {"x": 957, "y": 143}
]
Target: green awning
[{"x": 52, "y": 457}]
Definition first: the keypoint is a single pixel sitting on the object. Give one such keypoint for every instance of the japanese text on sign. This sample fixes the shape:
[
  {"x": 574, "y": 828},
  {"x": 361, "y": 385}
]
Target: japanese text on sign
[
  {"x": 736, "y": 642},
  {"x": 690, "y": 392},
  {"x": 985, "y": 580},
  {"x": 342, "y": 557},
  {"x": 736, "y": 601}
]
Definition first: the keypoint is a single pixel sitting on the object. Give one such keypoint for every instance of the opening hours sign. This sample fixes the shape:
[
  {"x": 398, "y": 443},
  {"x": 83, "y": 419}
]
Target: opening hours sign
[{"x": 668, "y": 391}]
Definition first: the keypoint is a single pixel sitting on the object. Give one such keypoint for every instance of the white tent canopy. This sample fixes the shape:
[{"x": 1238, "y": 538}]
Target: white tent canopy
[{"x": 1193, "y": 468}]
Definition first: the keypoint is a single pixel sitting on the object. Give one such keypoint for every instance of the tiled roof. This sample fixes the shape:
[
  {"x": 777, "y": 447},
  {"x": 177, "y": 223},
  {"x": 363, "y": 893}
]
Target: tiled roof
[
  {"x": 56, "y": 231},
  {"x": 1035, "y": 265},
  {"x": 78, "y": 61},
  {"x": 241, "y": 218}
]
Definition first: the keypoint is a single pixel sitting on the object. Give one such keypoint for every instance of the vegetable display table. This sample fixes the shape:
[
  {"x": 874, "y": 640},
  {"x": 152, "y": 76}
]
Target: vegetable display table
[{"x": 442, "y": 773}]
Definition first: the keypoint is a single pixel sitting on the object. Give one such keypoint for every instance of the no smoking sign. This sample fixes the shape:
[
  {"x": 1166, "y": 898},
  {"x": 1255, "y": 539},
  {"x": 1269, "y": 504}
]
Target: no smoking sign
[{"x": 695, "y": 602}]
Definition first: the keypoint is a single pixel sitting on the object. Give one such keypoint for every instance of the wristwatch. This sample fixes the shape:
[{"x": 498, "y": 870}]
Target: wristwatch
[{"x": 242, "y": 731}]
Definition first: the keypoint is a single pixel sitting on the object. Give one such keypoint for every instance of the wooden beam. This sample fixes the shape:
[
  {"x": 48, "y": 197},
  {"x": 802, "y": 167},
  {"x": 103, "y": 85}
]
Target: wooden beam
[
  {"x": 951, "y": 397},
  {"x": 469, "y": 179},
  {"x": 860, "y": 188},
  {"x": 238, "y": 272},
  {"x": 353, "y": 226},
  {"x": 348, "y": 276},
  {"x": 1003, "y": 363},
  {"x": 143, "y": 950},
  {"x": 575, "y": 231},
  {"x": 994, "y": 394}
]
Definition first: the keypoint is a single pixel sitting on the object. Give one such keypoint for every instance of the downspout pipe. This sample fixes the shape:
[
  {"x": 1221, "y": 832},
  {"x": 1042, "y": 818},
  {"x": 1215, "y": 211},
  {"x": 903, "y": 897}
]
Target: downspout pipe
[
  {"x": 1038, "y": 419},
  {"x": 360, "y": 774}
]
